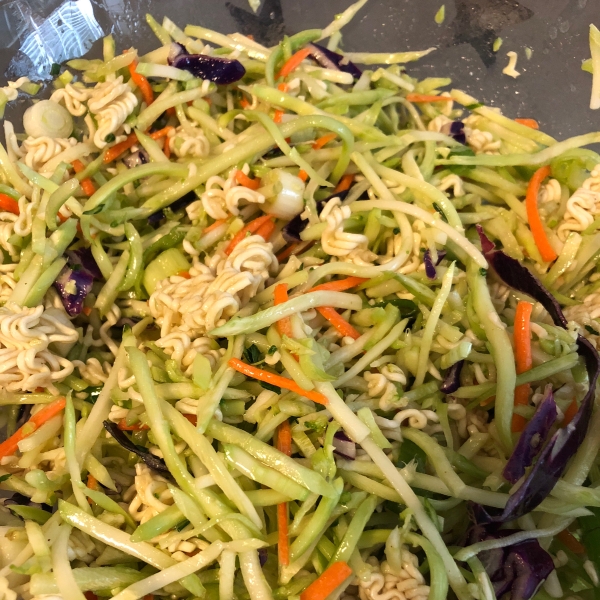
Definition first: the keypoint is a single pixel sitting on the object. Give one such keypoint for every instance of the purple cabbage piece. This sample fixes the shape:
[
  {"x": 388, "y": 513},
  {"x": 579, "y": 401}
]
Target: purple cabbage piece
[
  {"x": 519, "y": 569},
  {"x": 83, "y": 258},
  {"x": 429, "y": 266},
  {"x": 452, "y": 379},
  {"x": 136, "y": 158},
  {"x": 214, "y": 68},
  {"x": 456, "y": 130},
  {"x": 532, "y": 439},
  {"x": 332, "y": 60},
  {"x": 553, "y": 459},
  {"x": 344, "y": 446},
  {"x": 75, "y": 281},
  {"x": 180, "y": 203},
  {"x": 262, "y": 556},
  {"x": 73, "y": 287}
]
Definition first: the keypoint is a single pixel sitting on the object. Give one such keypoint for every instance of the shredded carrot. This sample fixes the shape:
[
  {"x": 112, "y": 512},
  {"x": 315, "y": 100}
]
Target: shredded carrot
[
  {"x": 87, "y": 311},
  {"x": 323, "y": 140},
  {"x": 244, "y": 103},
  {"x": 142, "y": 83},
  {"x": 332, "y": 315},
  {"x": 487, "y": 401},
  {"x": 571, "y": 542},
  {"x": 266, "y": 230},
  {"x": 9, "y": 204},
  {"x": 341, "y": 285},
  {"x": 287, "y": 252},
  {"x": 302, "y": 174},
  {"x": 171, "y": 112},
  {"x": 214, "y": 225},
  {"x": 427, "y": 98},
  {"x": 122, "y": 425},
  {"x": 533, "y": 215},
  {"x": 570, "y": 413},
  {"x": 284, "y": 326},
  {"x": 284, "y": 444},
  {"x": 278, "y": 116},
  {"x": 283, "y": 87},
  {"x": 331, "y": 578},
  {"x": 92, "y": 482},
  {"x": 345, "y": 182},
  {"x": 11, "y": 445},
  {"x": 156, "y": 135},
  {"x": 528, "y": 123},
  {"x": 274, "y": 379},
  {"x": 87, "y": 185},
  {"x": 246, "y": 181},
  {"x": 252, "y": 227},
  {"x": 193, "y": 419},
  {"x": 293, "y": 62},
  {"x": 118, "y": 149},
  {"x": 522, "y": 338},
  {"x": 184, "y": 274}
]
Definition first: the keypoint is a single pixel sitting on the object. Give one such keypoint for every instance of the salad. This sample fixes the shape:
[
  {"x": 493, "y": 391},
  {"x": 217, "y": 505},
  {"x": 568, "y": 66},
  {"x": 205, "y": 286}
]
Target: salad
[{"x": 283, "y": 323}]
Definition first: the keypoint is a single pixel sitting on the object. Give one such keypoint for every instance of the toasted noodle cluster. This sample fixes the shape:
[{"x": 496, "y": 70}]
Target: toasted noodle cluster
[{"x": 285, "y": 323}]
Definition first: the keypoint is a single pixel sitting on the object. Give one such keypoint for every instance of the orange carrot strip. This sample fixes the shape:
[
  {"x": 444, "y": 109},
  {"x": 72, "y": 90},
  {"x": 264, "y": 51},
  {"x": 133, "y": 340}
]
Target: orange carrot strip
[
  {"x": 284, "y": 444},
  {"x": 533, "y": 215},
  {"x": 122, "y": 425},
  {"x": 274, "y": 379},
  {"x": 322, "y": 141},
  {"x": 87, "y": 185},
  {"x": 278, "y": 116},
  {"x": 332, "y": 577},
  {"x": 155, "y": 135},
  {"x": 10, "y": 446},
  {"x": 193, "y": 419},
  {"x": 171, "y": 112},
  {"x": 293, "y": 62},
  {"x": 283, "y": 87},
  {"x": 244, "y": 103},
  {"x": 87, "y": 311},
  {"x": 283, "y": 541},
  {"x": 266, "y": 230},
  {"x": 522, "y": 338},
  {"x": 338, "y": 322},
  {"x": 341, "y": 285},
  {"x": 118, "y": 149},
  {"x": 344, "y": 184},
  {"x": 142, "y": 83},
  {"x": 287, "y": 252},
  {"x": 214, "y": 225},
  {"x": 284, "y": 326},
  {"x": 252, "y": 227},
  {"x": 92, "y": 482},
  {"x": 571, "y": 542},
  {"x": 570, "y": 413},
  {"x": 184, "y": 274},
  {"x": 9, "y": 204},
  {"x": 246, "y": 181},
  {"x": 528, "y": 123},
  {"x": 302, "y": 174},
  {"x": 427, "y": 98}
]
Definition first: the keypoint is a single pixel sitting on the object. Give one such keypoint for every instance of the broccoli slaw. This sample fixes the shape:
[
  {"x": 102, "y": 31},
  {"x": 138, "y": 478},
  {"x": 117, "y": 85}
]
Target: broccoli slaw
[{"x": 284, "y": 322}]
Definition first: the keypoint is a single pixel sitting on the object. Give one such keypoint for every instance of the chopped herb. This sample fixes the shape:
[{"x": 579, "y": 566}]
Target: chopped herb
[
  {"x": 272, "y": 350},
  {"x": 271, "y": 388},
  {"x": 252, "y": 355},
  {"x": 110, "y": 138},
  {"x": 4, "y": 477},
  {"x": 93, "y": 394},
  {"x": 396, "y": 230},
  {"x": 410, "y": 452},
  {"x": 483, "y": 272},
  {"x": 54, "y": 69},
  {"x": 474, "y": 106},
  {"x": 460, "y": 151},
  {"x": 181, "y": 526},
  {"x": 591, "y": 330},
  {"x": 439, "y": 210},
  {"x": 318, "y": 425}
]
